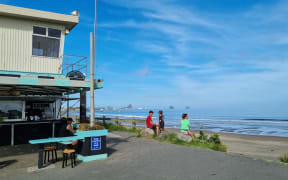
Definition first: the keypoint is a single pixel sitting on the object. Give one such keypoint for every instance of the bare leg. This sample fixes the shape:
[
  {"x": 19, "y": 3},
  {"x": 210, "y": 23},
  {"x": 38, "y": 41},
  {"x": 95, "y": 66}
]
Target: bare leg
[
  {"x": 75, "y": 142},
  {"x": 157, "y": 130},
  {"x": 190, "y": 134}
]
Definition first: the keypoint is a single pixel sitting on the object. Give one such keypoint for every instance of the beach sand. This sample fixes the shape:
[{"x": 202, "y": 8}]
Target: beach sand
[
  {"x": 262, "y": 147},
  {"x": 257, "y": 147}
]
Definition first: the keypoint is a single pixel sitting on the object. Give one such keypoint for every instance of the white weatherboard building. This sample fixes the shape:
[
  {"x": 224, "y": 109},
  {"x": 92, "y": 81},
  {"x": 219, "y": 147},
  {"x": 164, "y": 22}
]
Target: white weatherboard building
[
  {"x": 35, "y": 75},
  {"x": 32, "y": 40}
]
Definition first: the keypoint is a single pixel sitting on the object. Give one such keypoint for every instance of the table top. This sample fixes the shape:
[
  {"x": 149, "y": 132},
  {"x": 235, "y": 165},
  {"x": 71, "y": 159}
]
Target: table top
[{"x": 78, "y": 135}]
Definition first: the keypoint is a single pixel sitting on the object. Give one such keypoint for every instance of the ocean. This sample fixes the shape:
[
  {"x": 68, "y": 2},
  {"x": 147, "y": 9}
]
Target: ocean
[{"x": 245, "y": 123}]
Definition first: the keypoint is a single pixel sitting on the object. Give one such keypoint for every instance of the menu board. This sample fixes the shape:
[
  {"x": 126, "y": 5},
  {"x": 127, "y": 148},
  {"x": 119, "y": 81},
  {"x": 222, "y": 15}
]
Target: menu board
[{"x": 95, "y": 143}]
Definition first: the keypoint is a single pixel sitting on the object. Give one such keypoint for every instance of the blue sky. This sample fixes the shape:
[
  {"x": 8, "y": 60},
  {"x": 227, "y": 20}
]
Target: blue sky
[{"x": 201, "y": 53}]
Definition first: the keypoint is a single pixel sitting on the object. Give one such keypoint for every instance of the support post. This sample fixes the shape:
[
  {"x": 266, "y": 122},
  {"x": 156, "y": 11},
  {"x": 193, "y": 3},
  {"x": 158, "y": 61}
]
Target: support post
[
  {"x": 104, "y": 122},
  {"x": 68, "y": 107},
  {"x": 82, "y": 105},
  {"x": 92, "y": 56},
  {"x": 53, "y": 129},
  {"x": 12, "y": 134}
]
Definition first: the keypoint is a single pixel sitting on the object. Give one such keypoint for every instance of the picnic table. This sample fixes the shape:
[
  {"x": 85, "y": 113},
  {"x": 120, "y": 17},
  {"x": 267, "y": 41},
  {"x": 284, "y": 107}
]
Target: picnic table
[{"x": 80, "y": 135}]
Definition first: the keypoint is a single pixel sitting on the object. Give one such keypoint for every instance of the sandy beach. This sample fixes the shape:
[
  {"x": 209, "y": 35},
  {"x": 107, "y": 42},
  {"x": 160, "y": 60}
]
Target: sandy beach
[{"x": 257, "y": 147}]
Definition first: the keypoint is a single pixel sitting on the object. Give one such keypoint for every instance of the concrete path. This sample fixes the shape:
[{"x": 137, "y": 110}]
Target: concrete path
[{"x": 138, "y": 158}]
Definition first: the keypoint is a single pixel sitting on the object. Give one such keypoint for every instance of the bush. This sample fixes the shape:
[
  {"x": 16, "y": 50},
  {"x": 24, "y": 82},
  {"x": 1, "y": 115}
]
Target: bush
[
  {"x": 202, "y": 141},
  {"x": 219, "y": 147},
  {"x": 215, "y": 139},
  {"x": 284, "y": 158},
  {"x": 173, "y": 136},
  {"x": 202, "y": 135}
]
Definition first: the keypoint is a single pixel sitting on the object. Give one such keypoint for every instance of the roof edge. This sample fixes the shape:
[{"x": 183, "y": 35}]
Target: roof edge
[{"x": 31, "y": 14}]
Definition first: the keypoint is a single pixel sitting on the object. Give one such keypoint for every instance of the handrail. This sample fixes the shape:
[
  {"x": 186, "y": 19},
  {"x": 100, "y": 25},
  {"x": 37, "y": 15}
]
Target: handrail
[{"x": 74, "y": 62}]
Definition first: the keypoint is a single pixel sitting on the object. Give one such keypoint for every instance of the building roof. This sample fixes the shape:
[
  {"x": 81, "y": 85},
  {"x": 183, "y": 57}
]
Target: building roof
[{"x": 31, "y": 14}]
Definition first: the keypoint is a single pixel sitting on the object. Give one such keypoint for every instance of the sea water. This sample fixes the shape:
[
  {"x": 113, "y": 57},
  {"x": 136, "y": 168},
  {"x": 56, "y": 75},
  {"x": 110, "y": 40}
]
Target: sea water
[{"x": 224, "y": 122}]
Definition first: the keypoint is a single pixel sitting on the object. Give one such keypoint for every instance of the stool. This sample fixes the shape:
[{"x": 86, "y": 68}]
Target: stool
[
  {"x": 49, "y": 149},
  {"x": 72, "y": 154}
]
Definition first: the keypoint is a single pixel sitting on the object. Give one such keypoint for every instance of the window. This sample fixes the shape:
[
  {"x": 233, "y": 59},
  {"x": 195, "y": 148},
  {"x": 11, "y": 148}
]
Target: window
[
  {"x": 54, "y": 33},
  {"x": 46, "y": 41},
  {"x": 39, "y": 30},
  {"x": 11, "y": 110}
]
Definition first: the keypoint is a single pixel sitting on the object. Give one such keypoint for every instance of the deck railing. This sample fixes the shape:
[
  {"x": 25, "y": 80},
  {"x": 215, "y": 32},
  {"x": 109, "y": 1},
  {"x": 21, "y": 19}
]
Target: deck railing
[
  {"x": 116, "y": 120},
  {"x": 73, "y": 62}
]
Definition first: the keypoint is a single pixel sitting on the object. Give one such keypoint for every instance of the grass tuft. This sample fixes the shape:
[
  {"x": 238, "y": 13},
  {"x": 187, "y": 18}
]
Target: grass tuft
[
  {"x": 212, "y": 143},
  {"x": 284, "y": 158},
  {"x": 203, "y": 141}
]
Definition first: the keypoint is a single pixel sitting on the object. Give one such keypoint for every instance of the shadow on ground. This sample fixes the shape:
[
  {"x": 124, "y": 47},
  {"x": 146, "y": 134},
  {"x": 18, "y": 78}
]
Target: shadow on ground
[
  {"x": 6, "y": 151},
  {"x": 4, "y": 164},
  {"x": 112, "y": 142}
]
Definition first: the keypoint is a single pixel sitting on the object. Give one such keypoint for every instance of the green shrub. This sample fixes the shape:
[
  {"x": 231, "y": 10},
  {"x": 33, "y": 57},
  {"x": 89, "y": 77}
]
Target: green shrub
[
  {"x": 173, "y": 137},
  {"x": 215, "y": 139},
  {"x": 219, "y": 147},
  {"x": 284, "y": 158},
  {"x": 202, "y": 135}
]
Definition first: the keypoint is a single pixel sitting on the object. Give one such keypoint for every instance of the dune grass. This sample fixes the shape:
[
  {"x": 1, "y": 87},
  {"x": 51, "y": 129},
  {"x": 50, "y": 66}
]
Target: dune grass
[
  {"x": 202, "y": 141},
  {"x": 284, "y": 158},
  {"x": 213, "y": 142}
]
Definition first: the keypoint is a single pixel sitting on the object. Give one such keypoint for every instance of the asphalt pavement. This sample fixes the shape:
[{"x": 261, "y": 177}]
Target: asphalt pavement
[{"x": 137, "y": 158}]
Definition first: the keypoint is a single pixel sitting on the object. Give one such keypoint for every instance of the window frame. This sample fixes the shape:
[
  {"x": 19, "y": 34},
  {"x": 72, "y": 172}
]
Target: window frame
[
  {"x": 22, "y": 110},
  {"x": 46, "y": 36}
]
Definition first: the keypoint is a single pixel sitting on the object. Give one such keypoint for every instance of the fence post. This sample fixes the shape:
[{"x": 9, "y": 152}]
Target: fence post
[
  {"x": 117, "y": 120},
  {"x": 133, "y": 122},
  {"x": 103, "y": 120}
]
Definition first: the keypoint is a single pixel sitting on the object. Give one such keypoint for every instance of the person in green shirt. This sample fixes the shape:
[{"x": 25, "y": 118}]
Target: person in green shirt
[{"x": 185, "y": 125}]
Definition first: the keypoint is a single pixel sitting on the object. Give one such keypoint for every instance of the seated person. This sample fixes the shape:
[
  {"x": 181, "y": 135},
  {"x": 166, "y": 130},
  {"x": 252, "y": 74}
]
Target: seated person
[
  {"x": 185, "y": 125},
  {"x": 150, "y": 123},
  {"x": 161, "y": 121},
  {"x": 67, "y": 130}
]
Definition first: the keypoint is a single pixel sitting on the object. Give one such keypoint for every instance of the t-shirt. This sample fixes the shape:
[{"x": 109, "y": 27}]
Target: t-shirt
[
  {"x": 148, "y": 122},
  {"x": 185, "y": 125}
]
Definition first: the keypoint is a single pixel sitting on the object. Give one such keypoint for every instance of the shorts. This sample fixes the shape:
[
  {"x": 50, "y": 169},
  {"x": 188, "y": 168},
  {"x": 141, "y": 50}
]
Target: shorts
[{"x": 153, "y": 127}]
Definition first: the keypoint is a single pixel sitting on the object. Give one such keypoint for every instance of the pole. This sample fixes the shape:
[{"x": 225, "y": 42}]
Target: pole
[
  {"x": 92, "y": 114},
  {"x": 92, "y": 60},
  {"x": 68, "y": 106}
]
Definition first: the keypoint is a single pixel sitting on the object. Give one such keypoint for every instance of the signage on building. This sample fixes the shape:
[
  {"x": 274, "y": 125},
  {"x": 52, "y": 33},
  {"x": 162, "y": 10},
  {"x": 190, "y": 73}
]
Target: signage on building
[{"x": 95, "y": 143}]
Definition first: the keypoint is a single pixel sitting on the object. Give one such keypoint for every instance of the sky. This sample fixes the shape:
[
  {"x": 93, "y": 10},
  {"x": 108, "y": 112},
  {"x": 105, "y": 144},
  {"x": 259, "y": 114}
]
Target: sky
[{"x": 200, "y": 53}]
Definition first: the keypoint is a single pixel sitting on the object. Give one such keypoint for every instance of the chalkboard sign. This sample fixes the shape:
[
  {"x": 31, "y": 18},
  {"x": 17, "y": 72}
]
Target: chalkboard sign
[{"x": 95, "y": 143}]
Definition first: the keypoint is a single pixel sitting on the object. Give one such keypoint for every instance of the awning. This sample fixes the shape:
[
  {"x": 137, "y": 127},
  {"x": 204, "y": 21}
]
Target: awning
[{"x": 23, "y": 84}]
